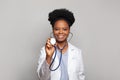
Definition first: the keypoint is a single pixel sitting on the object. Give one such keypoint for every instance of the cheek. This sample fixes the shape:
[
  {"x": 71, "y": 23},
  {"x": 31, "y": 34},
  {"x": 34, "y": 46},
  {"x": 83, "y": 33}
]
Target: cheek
[
  {"x": 67, "y": 33},
  {"x": 55, "y": 32}
]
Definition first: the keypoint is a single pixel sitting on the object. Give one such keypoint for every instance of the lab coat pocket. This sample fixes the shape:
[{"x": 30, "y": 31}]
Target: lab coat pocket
[{"x": 75, "y": 65}]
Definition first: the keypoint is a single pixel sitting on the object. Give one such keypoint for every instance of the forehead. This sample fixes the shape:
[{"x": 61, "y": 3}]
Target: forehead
[{"x": 61, "y": 23}]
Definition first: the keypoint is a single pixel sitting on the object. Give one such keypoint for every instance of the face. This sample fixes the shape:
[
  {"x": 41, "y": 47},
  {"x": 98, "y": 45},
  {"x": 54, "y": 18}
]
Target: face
[{"x": 61, "y": 30}]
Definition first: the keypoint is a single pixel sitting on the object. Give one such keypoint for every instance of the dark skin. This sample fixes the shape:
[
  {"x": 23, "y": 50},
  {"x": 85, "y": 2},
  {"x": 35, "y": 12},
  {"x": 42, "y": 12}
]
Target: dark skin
[{"x": 61, "y": 31}]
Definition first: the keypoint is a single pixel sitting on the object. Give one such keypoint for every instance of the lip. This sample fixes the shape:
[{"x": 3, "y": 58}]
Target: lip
[{"x": 60, "y": 36}]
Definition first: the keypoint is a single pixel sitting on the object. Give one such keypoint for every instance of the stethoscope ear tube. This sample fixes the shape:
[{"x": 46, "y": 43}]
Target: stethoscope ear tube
[{"x": 54, "y": 60}]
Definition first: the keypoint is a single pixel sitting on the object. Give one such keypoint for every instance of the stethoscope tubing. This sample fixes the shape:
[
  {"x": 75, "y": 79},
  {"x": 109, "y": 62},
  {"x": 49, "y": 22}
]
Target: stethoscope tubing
[{"x": 54, "y": 60}]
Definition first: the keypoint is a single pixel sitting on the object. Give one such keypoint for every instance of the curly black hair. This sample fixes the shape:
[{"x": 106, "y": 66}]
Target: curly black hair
[{"x": 58, "y": 14}]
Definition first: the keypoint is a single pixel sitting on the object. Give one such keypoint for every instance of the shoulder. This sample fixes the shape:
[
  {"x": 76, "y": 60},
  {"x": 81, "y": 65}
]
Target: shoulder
[
  {"x": 42, "y": 49},
  {"x": 42, "y": 52},
  {"x": 75, "y": 51},
  {"x": 74, "y": 47}
]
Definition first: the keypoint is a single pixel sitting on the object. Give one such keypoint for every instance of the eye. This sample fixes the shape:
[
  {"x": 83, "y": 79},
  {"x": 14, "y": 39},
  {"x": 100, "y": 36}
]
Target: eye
[
  {"x": 65, "y": 29},
  {"x": 56, "y": 29}
]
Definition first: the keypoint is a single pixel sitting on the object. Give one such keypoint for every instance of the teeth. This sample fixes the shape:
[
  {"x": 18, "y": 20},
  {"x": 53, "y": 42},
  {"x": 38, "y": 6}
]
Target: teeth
[{"x": 60, "y": 36}]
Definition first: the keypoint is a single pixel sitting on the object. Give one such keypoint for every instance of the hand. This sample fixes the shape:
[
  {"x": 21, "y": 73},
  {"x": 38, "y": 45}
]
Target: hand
[{"x": 49, "y": 48}]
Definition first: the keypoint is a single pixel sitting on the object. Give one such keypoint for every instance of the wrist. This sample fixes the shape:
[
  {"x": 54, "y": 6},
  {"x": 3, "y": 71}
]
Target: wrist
[{"x": 48, "y": 59}]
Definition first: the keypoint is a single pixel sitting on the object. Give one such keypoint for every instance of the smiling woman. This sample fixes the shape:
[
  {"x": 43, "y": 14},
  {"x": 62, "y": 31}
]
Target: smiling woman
[
  {"x": 70, "y": 66},
  {"x": 61, "y": 30}
]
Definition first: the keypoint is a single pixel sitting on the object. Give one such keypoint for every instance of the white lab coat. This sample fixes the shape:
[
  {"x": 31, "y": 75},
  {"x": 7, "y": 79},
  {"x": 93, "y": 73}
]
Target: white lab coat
[{"x": 75, "y": 65}]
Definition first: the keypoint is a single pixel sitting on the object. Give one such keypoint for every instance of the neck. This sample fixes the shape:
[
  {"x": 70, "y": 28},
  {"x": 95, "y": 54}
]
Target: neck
[{"x": 63, "y": 45}]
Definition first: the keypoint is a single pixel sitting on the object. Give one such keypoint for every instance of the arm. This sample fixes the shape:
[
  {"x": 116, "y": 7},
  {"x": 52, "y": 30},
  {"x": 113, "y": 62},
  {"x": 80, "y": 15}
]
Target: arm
[
  {"x": 43, "y": 67},
  {"x": 44, "y": 61}
]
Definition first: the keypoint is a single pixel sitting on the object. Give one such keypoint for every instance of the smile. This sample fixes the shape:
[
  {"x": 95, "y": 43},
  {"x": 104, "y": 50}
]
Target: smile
[{"x": 61, "y": 36}]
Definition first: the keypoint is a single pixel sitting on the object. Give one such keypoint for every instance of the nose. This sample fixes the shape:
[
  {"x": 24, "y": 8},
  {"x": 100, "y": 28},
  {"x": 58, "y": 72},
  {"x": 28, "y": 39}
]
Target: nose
[{"x": 61, "y": 31}]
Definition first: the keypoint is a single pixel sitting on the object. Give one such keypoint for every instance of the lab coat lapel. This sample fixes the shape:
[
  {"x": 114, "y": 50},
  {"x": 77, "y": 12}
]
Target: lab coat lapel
[{"x": 70, "y": 58}]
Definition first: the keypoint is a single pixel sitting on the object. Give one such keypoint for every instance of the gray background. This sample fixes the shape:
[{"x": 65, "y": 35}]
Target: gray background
[{"x": 24, "y": 29}]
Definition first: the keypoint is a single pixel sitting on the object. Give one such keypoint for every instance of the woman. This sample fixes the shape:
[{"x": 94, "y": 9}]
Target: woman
[{"x": 61, "y": 61}]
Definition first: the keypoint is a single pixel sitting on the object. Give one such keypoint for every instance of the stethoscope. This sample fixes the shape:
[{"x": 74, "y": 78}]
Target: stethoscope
[
  {"x": 55, "y": 57},
  {"x": 56, "y": 54}
]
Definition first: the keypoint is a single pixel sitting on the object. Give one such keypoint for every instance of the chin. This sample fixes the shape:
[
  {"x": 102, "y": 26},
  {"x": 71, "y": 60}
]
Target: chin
[{"x": 61, "y": 40}]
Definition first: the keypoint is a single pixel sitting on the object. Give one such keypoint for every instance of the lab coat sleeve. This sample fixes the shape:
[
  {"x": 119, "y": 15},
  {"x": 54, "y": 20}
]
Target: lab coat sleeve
[
  {"x": 81, "y": 72},
  {"x": 43, "y": 67}
]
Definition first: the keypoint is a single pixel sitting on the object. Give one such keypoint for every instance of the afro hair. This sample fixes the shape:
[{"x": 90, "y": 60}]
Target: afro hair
[{"x": 64, "y": 14}]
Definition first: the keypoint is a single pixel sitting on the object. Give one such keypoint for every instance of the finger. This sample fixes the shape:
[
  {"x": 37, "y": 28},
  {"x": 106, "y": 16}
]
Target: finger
[
  {"x": 48, "y": 39},
  {"x": 48, "y": 42},
  {"x": 49, "y": 45}
]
